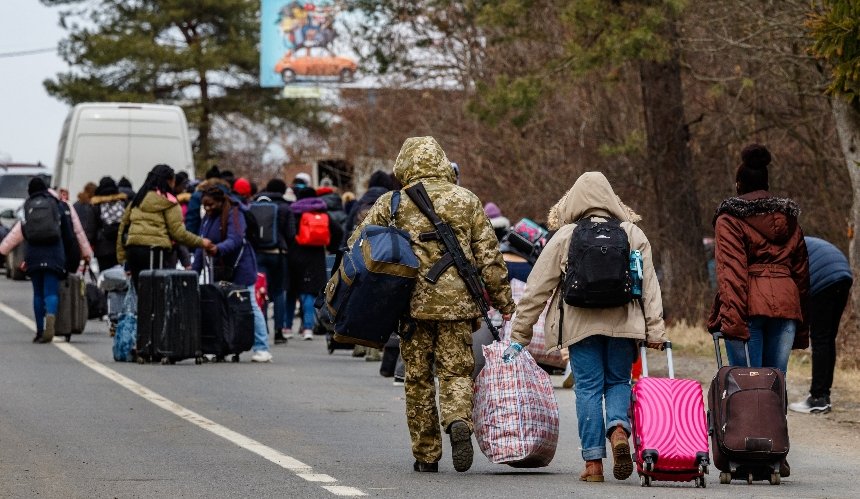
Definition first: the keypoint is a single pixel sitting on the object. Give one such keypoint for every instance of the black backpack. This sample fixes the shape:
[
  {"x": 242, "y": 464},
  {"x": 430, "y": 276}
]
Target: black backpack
[
  {"x": 41, "y": 219},
  {"x": 598, "y": 266},
  {"x": 265, "y": 213},
  {"x": 252, "y": 229}
]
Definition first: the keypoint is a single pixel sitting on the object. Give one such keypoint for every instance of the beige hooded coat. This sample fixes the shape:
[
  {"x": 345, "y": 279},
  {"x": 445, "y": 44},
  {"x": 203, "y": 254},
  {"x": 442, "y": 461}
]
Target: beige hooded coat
[{"x": 591, "y": 196}]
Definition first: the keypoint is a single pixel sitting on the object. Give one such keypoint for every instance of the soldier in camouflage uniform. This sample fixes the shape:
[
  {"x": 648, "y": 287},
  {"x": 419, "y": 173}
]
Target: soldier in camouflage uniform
[{"x": 444, "y": 312}]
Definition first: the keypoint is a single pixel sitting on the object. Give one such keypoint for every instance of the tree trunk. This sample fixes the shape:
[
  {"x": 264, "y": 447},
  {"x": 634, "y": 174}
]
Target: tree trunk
[
  {"x": 204, "y": 153},
  {"x": 678, "y": 245},
  {"x": 847, "y": 120}
]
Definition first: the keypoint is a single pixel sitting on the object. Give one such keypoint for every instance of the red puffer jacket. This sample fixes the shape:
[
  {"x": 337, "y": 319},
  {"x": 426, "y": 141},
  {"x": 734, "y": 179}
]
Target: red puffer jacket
[{"x": 762, "y": 265}]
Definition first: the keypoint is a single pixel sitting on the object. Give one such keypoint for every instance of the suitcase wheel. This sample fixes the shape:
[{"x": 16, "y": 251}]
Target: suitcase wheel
[
  {"x": 140, "y": 360},
  {"x": 68, "y": 338},
  {"x": 725, "y": 478},
  {"x": 774, "y": 478},
  {"x": 645, "y": 480},
  {"x": 198, "y": 360},
  {"x": 235, "y": 358},
  {"x": 700, "y": 482},
  {"x": 749, "y": 478},
  {"x": 165, "y": 361}
]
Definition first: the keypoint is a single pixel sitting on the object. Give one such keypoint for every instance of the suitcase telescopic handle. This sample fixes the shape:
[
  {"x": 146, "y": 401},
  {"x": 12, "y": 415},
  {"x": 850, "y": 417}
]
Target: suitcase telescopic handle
[
  {"x": 667, "y": 346},
  {"x": 719, "y": 354}
]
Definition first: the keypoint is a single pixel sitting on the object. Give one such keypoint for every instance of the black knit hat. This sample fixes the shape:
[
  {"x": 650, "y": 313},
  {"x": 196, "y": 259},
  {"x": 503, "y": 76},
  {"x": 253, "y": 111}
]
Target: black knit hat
[
  {"x": 752, "y": 172},
  {"x": 37, "y": 184},
  {"x": 107, "y": 187},
  {"x": 276, "y": 185}
]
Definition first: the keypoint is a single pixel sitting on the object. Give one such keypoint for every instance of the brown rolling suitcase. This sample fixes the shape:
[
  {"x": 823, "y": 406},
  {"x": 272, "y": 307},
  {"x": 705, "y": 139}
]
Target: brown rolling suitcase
[{"x": 747, "y": 421}]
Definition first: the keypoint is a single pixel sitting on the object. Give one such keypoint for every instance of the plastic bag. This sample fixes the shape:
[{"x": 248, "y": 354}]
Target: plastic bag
[
  {"x": 125, "y": 340},
  {"x": 515, "y": 411}
]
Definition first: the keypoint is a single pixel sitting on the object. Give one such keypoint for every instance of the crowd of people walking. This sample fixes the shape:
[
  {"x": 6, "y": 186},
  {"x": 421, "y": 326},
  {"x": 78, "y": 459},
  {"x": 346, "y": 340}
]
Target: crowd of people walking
[{"x": 225, "y": 226}]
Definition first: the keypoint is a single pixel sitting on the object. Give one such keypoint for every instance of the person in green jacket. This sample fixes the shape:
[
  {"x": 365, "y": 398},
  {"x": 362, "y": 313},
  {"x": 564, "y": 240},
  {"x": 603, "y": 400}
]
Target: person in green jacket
[{"x": 150, "y": 225}]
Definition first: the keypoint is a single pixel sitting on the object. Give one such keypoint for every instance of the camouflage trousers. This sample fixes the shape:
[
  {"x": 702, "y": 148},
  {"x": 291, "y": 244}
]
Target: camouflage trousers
[{"x": 448, "y": 344}]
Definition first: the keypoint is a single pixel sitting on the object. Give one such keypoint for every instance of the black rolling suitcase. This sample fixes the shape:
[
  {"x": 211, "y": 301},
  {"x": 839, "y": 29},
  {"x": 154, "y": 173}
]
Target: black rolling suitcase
[
  {"x": 72, "y": 309},
  {"x": 168, "y": 316},
  {"x": 227, "y": 320},
  {"x": 747, "y": 421}
]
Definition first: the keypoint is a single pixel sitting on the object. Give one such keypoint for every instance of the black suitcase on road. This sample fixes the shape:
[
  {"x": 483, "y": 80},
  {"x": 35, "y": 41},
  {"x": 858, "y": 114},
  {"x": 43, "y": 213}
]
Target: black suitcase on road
[
  {"x": 746, "y": 415},
  {"x": 227, "y": 320},
  {"x": 168, "y": 316}
]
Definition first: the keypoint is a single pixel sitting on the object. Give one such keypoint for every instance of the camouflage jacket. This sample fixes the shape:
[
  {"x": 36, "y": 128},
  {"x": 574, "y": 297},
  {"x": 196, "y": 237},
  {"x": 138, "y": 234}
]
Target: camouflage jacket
[{"x": 422, "y": 160}]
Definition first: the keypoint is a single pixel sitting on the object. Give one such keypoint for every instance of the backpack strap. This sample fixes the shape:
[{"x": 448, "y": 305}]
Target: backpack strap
[{"x": 395, "y": 205}]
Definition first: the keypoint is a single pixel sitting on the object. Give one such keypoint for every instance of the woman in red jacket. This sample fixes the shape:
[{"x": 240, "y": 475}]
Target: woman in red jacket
[{"x": 762, "y": 269}]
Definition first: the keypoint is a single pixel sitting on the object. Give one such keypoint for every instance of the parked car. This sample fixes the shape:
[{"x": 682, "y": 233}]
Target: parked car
[
  {"x": 14, "y": 178},
  {"x": 316, "y": 63}
]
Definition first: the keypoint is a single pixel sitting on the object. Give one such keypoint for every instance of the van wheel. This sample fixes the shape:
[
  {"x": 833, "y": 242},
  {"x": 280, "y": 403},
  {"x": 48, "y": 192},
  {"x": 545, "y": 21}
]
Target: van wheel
[
  {"x": 288, "y": 75},
  {"x": 346, "y": 75}
]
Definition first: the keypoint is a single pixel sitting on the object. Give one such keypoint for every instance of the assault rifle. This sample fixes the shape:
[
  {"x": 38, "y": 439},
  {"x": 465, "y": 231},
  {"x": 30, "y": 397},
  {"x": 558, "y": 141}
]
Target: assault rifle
[{"x": 453, "y": 254}]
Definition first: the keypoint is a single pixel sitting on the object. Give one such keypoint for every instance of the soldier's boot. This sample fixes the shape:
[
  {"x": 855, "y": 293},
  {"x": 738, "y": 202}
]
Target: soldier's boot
[
  {"x": 622, "y": 461},
  {"x": 593, "y": 471},
  {"x": 425, "y": 467},
  {"x": 461, "y": 445}
]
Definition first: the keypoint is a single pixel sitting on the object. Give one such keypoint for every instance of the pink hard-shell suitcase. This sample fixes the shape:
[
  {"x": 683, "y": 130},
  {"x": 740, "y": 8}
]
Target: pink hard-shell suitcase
[{"x": 670, "y": 431}]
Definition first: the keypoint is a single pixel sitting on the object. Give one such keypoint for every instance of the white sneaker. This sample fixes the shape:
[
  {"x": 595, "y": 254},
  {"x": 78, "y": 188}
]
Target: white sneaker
[
  {"x": 261, "y": 356},
  {"x": 307, "y": 334},
  {"x": 288, "y": 334}
]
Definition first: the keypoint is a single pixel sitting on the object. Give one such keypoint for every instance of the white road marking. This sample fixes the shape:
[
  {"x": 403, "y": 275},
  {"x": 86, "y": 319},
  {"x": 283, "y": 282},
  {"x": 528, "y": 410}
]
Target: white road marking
[{"x": 291, "y": 464}]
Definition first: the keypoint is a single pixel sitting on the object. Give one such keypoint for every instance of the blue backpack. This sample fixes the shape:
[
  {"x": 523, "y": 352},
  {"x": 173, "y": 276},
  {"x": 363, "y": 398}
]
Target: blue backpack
[{"x": 372, "y": 289}]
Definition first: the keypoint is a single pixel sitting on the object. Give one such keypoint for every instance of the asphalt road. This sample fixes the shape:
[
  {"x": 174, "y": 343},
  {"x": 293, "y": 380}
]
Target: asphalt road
[{"x": 323, "y": 420}]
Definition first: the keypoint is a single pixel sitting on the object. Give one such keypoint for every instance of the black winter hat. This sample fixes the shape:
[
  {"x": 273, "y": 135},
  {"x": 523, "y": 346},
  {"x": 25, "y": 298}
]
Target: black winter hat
[
  {"x": 37, "y": 184},
  {"x": 752, "y": 172},
  {"x": 276, "y": 185},
  {"x": 124, "y": 182},
  {"x": 306, "y": 192},
  {"x": 380, "y": 178},
  {"x": 107, "y": 187},
  {"x": 213, "y": 172}
]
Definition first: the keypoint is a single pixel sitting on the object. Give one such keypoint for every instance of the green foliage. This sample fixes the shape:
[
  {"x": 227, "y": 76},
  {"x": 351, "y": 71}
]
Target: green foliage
[
  {"x": 201, "y": 54},
  {"x": 634, "y": 144},
  {"x": 512, "y": 98},
  {"x": 835, "y": 30}
]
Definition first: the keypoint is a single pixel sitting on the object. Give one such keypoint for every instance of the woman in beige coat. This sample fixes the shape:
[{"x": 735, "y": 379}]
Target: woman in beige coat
[{"x": 601, "y": 341}]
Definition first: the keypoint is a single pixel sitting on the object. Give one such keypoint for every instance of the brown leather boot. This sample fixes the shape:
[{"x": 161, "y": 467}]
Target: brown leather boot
[
  {"x": 622, "y": 461},
  {"x": 593, "y": 471}
]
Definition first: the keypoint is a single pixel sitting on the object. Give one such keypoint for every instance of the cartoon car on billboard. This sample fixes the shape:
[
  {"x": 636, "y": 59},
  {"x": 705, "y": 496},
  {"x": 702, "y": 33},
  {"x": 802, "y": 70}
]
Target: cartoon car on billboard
[{"x": 315, "y": 64}]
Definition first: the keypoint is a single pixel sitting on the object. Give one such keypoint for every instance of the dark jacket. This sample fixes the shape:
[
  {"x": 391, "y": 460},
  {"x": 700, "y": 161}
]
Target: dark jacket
[
  {"x": 827, "y": 265},
  {"x": 229, "y": 247},
  {"x": 307, "y": 263},
  {"x": 360, "y": 209},
  {"x": 286, "y": 220},
  {"x": 106, "y": 235},
  {"x": 762, "y": 265},
  {"x": 334, "y": 207},
  {"x": 53, "y": 257},
  {"x": 89, "y": 218}
]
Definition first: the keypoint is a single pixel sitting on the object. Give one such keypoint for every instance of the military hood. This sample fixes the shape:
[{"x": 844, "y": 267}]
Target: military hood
[
  {"x": 591, "y": 194},
  {"x": 772, "y": 217},
  {"x": 422, "y": 158}
]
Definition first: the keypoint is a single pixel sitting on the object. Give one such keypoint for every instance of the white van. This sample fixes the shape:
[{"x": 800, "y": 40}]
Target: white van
[{"x": 120, "y": 140}]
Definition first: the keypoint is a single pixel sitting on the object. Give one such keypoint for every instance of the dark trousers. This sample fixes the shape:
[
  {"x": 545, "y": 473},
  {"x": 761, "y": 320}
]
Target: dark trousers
[
  {"x": 825, "y": 311},
  {"x": 140, "y": 258}
]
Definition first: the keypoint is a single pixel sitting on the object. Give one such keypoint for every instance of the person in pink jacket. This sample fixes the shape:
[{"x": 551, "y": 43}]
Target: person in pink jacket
[{"x": 48, "y": 262}]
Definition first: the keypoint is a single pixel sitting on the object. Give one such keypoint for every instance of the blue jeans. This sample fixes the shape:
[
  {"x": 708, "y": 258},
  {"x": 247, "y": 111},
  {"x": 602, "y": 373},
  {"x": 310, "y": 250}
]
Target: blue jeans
[
  {"x": 601, "y": 366},
  {"x": 275, "y": 268},
  {"x": 46, "y": 296},
  {"x": 769, "y": 344},
  {"x": 261, "y": 332},
  {"x": 306, "y": 302}
]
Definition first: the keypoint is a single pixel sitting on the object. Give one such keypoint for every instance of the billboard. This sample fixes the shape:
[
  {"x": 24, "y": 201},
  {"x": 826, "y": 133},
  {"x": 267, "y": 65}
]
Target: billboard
[{"x": 298, "y": 45}]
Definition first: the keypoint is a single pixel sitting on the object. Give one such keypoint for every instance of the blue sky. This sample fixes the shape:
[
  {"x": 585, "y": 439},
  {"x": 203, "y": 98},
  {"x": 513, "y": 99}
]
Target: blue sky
[{"x": 30, "y": 120}]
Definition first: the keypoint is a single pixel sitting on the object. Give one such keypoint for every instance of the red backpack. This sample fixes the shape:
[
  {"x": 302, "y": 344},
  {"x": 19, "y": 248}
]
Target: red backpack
[{"x": 313, "y": 229}]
